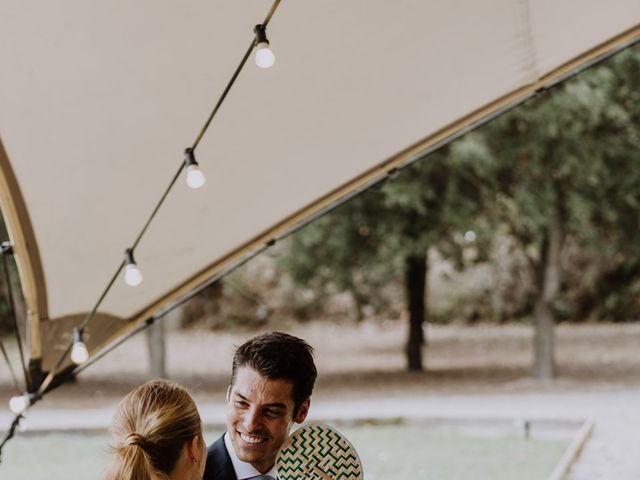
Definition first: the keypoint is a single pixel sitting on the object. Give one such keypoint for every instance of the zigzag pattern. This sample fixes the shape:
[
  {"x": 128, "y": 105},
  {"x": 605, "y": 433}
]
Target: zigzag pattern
[{"x": 318, "y": 452}]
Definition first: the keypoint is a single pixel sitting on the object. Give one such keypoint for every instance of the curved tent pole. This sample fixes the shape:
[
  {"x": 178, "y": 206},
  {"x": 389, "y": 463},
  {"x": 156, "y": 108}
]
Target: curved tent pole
[{"x": 27, "y": 257}]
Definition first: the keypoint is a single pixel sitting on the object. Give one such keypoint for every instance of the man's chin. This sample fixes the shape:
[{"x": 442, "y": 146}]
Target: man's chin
[
  {"x": 257, "y": 458},
  {"x": 258, "y": 462}
]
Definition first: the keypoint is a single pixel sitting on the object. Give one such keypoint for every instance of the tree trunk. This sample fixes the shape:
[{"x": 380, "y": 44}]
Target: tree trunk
[
  {"x": 548, "y": 287},
  {"x": 360, "y": 300},
  {"x": 416, "y": 275},
  {"x": 156, "y": 348}
]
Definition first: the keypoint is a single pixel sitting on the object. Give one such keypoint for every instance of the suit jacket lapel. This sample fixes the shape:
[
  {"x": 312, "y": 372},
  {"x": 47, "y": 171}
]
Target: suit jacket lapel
[{"x": 219, "y": 465}]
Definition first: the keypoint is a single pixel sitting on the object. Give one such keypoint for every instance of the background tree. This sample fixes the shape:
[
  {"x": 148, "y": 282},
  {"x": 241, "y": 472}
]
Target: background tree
[
  {"x": 568, "y": 166},
  {"x": 563, "y": 166},
  {"x": 613, "y": 291},
  {"x": 364, "y": 243}
]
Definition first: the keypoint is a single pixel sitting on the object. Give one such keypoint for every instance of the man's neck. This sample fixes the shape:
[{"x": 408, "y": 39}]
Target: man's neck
[{"x": 244, "y": 469}]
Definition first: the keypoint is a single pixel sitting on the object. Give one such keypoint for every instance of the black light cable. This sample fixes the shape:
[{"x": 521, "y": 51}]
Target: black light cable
[
  {"x": 189, "y": 161},
  {"x": 205, "y": 127},
  {"x": 11, "y": 432},
  {"x": 111, "y": 347}
]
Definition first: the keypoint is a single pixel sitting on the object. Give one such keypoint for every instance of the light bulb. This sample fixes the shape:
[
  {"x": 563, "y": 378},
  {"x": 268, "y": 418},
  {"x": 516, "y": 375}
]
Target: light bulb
[
  {"x": 79, "y": 353},
  {"x": 195, "y": 177},
  {"x": 132, "y": 275},
  {"x": 19, "y": 403},
  {"x": 264, "y": 55}
]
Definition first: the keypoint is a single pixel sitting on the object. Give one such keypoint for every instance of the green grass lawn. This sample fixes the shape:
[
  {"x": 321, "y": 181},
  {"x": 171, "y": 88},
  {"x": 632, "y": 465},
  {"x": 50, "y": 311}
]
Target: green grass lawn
[
  {"x": 404, "y": 453},
  {"x": 389, "y": 452}
]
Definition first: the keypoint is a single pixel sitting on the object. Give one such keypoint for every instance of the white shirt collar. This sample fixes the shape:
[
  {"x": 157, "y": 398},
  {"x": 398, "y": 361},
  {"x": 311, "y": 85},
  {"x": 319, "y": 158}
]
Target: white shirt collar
[{"x": 243, "y": 469}]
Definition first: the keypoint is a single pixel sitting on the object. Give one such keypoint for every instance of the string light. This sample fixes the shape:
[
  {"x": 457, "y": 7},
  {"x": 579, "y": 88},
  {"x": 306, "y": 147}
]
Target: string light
[
  {"x": 20, "y": 403},
  {"x": 264, "y": 55},
  {"x": 264, "y": 58},
  {"x": 195, "y": 177},
  {"x": 79, "y": 352},
  {"x": 132, "y": 274}
]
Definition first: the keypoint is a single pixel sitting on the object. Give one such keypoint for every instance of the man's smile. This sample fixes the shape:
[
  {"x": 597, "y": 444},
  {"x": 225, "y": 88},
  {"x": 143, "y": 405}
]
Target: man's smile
[{"x": 251, "y": 439}]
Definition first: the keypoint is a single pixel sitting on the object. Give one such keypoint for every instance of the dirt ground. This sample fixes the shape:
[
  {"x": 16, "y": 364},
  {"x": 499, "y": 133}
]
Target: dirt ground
[{"x": 366, "y": 360}]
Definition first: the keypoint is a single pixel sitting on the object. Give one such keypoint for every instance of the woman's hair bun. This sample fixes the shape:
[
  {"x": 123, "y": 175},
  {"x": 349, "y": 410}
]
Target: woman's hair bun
[{"x": 136, "y": 439}]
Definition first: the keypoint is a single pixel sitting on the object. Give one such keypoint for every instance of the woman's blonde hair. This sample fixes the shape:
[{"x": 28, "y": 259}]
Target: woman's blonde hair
[{"x": 149, "y": 429}]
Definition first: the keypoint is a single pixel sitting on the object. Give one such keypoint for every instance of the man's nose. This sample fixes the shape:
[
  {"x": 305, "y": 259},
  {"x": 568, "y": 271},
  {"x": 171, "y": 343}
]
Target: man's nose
[{"x": 251, "y": 419}]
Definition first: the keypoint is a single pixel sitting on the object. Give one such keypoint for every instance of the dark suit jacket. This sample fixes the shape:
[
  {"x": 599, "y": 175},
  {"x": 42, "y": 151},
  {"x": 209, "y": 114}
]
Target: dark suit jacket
[{"x": 219, "y": 466}]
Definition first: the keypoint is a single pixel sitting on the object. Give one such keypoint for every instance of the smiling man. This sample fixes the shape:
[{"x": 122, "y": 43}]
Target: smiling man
[{"x": 272, "y": 379}]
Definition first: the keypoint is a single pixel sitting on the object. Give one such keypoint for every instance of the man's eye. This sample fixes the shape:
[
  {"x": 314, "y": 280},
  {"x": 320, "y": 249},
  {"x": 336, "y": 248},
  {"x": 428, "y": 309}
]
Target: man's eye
[
  {"x": 241, "y": 404},
  {"x": 272, "y": 413}
]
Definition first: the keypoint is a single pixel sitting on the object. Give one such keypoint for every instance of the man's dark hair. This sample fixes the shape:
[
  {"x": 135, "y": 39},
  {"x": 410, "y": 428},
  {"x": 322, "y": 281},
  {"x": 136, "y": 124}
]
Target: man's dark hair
[{"x": 277, "y": 355}]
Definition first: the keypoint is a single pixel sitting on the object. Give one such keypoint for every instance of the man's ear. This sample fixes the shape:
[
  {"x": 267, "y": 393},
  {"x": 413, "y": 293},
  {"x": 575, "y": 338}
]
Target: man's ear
[
  {"x": 229, "y": 393},
  {"x": 303, "y": 411}
]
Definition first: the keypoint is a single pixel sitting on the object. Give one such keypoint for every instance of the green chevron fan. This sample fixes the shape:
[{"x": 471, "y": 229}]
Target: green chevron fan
[{"x": 318, "y": 452}]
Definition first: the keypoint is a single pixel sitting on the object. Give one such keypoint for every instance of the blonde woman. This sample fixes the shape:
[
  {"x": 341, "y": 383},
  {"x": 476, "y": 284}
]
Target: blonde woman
[{"x": 157, "y": 435}]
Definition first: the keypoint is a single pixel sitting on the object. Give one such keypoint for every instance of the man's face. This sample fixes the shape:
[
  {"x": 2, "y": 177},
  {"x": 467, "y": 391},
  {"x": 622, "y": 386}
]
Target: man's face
[{"x": 259, "y": 416}]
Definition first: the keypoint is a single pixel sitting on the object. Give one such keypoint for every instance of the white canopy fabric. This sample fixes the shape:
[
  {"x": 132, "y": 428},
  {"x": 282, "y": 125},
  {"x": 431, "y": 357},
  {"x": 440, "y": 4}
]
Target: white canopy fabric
[{"x": 99, "y": 99}]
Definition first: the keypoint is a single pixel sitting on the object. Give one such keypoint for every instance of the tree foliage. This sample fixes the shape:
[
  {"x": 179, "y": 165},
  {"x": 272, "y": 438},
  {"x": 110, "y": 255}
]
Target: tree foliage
[
  {"x": 364, "y": 243},
  {"x": 570, "y": 160},
  {"x": 560, "y": 174},
  {"x": 569, "y": 156}
]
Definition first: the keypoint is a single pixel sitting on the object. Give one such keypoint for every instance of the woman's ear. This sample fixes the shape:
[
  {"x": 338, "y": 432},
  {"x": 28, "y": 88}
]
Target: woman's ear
[{"x": 194, "y": 448}]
